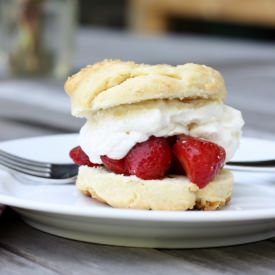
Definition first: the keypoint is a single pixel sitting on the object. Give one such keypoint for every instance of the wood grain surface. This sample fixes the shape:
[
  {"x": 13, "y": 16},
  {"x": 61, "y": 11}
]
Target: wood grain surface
[{"x": 40, "y": 107}]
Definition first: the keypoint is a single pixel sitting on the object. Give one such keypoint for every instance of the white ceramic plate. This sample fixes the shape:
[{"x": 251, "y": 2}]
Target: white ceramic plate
[{"x": 63, "y": 211}]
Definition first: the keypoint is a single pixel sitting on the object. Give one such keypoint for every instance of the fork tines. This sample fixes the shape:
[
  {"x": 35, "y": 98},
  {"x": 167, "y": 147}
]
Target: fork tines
[{"x": 25, "y": 166}]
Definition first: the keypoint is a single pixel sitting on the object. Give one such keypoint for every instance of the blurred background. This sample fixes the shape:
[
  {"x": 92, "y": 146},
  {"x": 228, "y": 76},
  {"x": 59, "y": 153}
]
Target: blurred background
[
  {"x": 44, "y": 41},
  {"x": 247, "y": 19},
  {"x": 38, "y": 36}
]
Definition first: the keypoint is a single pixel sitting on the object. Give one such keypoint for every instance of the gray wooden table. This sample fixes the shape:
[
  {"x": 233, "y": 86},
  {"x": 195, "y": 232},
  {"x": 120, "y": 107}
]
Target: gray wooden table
[{"x": 33, "y": 108}]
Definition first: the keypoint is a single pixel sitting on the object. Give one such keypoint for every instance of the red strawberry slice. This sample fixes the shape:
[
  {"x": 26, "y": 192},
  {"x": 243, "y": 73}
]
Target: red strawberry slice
[
  {"x": 176, "y": 167},
  {"x": 150, "y": 159},
  {"x": 80, "y": 158},
  {"x": 115, "y": 165},
  {"x": 172, "y": 140},
  {"x": 201, "y": 159}
]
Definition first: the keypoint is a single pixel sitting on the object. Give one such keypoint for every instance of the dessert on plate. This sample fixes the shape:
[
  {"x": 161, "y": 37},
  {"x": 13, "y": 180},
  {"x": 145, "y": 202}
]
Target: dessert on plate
[{"x": 156, "y": 137}]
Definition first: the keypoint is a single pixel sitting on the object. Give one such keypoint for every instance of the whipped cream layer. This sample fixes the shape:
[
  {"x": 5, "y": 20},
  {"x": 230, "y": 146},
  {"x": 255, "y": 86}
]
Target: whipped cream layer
[{"x": 114, "y": 132}]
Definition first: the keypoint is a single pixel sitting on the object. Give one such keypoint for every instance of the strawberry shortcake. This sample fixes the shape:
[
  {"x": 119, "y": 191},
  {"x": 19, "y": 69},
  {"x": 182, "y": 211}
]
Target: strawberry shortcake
[{"x": 156, "y": 137}]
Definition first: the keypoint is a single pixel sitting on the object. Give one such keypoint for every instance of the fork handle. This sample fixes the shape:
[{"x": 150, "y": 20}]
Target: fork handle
[{"x": 262, "y": 166}]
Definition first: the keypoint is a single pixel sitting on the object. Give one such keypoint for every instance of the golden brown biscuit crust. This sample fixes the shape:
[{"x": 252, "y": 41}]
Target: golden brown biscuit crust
[
  {"x": 174, "y": 193},
  {"x": 113, "y": 82}
]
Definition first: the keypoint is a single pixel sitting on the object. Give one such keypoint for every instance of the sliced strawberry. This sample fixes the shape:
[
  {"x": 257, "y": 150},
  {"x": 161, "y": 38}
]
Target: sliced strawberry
[
  {"x": 150, "y": 159},
  {"x": 80, "y": 158},
  {"x": 176, "y": 167},
  {"x": 201, "y": 159},
  {"x": 115, "y": 165},
  {"x": 172, "y": 140}
]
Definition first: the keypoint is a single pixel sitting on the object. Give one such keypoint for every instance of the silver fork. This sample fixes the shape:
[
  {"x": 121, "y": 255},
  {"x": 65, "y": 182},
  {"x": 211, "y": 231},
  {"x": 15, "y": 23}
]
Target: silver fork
[
  {"x": 43, "y": 172},
  {"x": 262, "y": 166}
]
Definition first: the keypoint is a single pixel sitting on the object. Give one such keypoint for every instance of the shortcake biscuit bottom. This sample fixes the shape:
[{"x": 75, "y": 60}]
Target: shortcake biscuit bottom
[{"x": 170, "y": 193}]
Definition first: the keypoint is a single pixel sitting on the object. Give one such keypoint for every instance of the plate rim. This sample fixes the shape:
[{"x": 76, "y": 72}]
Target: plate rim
[
  {"x": 143, "y": 215},
  {"x": 135, "y": 214}
]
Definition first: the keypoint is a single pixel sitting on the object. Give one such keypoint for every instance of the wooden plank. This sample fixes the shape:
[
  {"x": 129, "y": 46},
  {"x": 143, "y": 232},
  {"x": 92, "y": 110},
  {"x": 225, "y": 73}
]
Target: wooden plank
[
  {"x": 72, "y": 257},
  {"x": 40, "y": 117},
  {"x": 12, "y": 263},
  {"x": 256, "y": 258},
  {"x": 15, "y": 129}
]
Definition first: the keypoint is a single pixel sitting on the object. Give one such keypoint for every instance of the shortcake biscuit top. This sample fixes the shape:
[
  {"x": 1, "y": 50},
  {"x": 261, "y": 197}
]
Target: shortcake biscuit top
[{"x": 112, "y": 83}]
